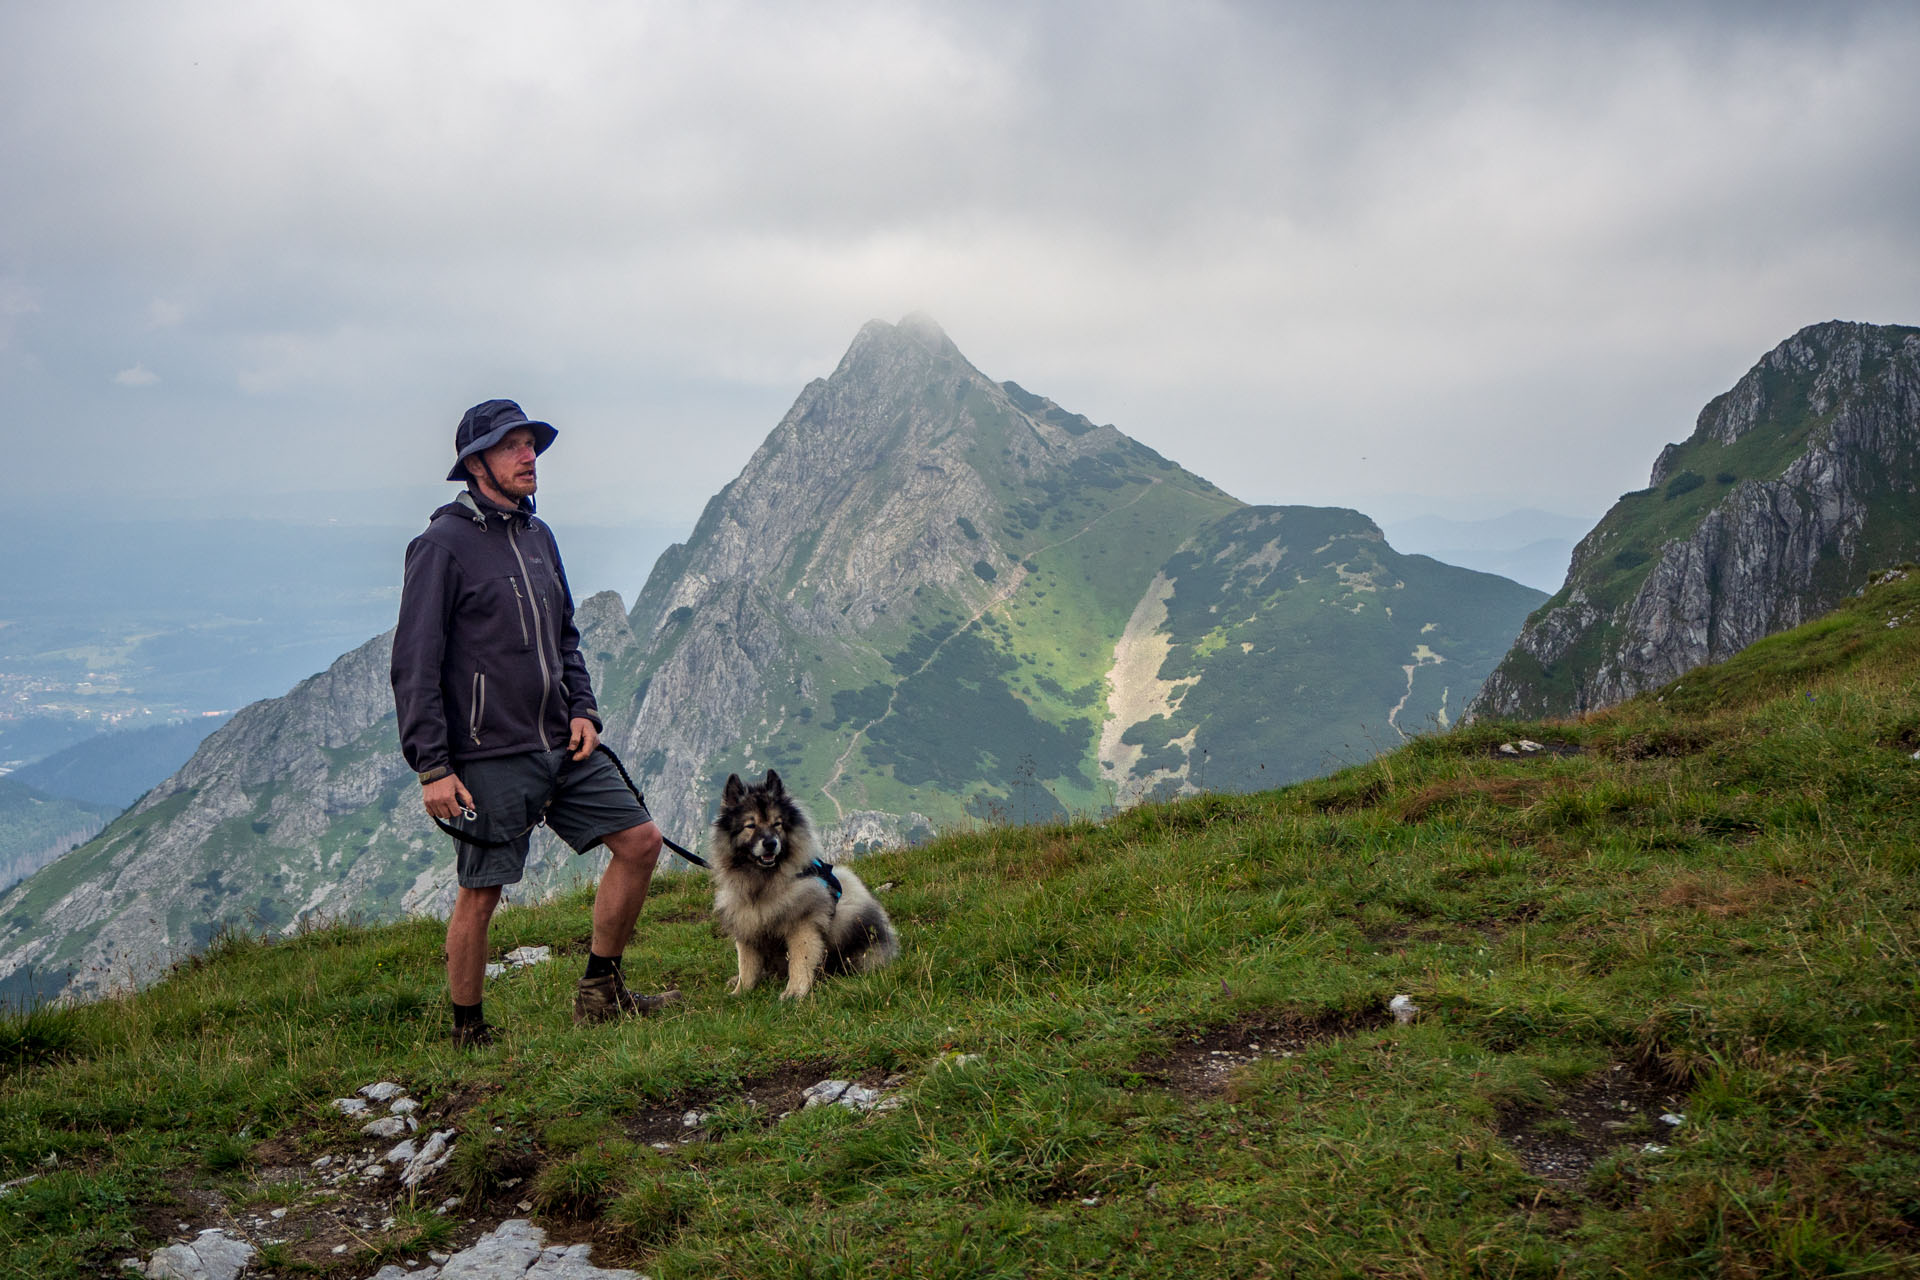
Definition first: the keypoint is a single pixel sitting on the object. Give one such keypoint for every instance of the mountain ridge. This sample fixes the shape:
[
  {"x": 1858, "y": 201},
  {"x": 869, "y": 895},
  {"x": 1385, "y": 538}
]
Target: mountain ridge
[
  {"x": 1796, "y": 485},
  {"x": 911, "y": 601}
]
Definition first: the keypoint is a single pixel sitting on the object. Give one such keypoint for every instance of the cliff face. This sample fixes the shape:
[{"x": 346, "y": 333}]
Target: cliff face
[{"x": 1794, "y": 488}]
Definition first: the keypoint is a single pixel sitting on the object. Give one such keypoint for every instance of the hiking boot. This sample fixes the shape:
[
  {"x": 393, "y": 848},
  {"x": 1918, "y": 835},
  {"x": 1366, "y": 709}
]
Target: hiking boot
[
  {"x": 606, "y": 998},
  {"x": 477, "y": 1035}
]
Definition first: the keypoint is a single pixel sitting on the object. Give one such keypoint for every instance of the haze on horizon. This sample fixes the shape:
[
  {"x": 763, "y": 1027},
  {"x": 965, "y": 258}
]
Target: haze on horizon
[{"x": 1397, "y": 256}]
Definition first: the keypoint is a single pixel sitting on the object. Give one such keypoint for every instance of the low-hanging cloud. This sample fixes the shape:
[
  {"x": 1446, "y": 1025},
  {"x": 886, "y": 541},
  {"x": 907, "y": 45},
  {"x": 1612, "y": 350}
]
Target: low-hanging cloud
[{"x": 1318, "y": 253}]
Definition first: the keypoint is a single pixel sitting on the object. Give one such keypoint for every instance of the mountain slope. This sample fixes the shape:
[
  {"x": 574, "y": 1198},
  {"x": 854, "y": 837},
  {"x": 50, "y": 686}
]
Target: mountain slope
[
  {"x": 929, "y": 599},
  {"x": 116, "y": 769},
  {"x": 37, "y": 826},
  {"x": 299, "y": 809},
  {"x": 1794, "y": 487},
  {"x": 1664, "y": 1025},
  {"x": 912, "y": 598}
]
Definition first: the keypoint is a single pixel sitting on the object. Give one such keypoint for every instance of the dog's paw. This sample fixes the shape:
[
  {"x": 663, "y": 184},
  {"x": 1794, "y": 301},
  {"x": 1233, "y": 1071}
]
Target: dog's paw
[
  {"x": 795, "y": 993},
  {"x": 737, "y": 988}
]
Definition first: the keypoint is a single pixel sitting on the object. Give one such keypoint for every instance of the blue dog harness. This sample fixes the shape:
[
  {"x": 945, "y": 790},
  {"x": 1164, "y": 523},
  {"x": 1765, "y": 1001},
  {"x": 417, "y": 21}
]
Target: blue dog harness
[{"x": 824, "y": 870}]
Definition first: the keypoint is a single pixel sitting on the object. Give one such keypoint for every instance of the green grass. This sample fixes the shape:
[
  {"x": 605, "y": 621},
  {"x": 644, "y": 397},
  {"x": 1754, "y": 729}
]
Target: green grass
[{"x": 1711, "y": 893}]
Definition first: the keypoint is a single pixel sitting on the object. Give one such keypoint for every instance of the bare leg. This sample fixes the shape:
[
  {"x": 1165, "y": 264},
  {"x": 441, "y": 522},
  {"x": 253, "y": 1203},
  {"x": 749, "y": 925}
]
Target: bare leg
[
  {"x": 749, "y": 974},
  {"x": 623, "y": 887},
  {"x": 467, "y": 942},
  {"x": 805, "y": 950}
]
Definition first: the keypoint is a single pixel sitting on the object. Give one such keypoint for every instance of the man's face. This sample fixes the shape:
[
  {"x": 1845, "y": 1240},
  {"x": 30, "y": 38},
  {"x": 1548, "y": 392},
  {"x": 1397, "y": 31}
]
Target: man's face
[{"x": 511, "y": 462}]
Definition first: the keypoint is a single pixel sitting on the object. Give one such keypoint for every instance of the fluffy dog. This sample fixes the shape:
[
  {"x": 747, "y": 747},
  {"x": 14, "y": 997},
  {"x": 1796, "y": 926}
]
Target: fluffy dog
[{"x": 780, "y": 904}]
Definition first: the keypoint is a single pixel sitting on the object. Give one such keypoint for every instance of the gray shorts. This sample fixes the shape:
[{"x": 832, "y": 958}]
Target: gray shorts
[{"x": 584, "y": 802}]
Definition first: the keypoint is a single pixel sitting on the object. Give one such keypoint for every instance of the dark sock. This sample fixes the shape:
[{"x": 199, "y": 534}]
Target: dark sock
[
  {"x": 599, "y": 966},
  {"x": 467, "y": 1015}
]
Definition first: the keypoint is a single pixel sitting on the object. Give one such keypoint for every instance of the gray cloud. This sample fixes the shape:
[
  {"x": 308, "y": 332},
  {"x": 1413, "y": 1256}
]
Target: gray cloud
[{"x": 1317, "y": 253}]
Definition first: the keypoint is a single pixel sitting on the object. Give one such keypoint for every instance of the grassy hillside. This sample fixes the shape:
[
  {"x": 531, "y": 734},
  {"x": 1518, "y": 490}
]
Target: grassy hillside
[{"x": 1703, "y": 904}]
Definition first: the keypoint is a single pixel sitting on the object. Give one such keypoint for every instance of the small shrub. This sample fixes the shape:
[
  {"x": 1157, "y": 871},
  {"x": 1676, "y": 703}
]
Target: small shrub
[
  {"x": 1685, "y": 482},
  {"x": 227, "y": 1153},
  {"x": 1725, "y": 477},
  {"x": 653, "y": 1212},
  {"x": 579, "y": 1186},
  {"x": 49, "y": 1033},
  {"x": 482, "y": 1160},
  {"x": 1631, "y": 558}
]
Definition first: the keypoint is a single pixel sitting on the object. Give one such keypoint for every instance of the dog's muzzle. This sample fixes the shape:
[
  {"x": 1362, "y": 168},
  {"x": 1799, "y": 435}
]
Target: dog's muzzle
[{"x": 766, "y": 853}]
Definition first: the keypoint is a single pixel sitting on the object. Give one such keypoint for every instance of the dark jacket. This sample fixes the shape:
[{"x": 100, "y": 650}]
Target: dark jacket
[{"x": 486, "y": 659}]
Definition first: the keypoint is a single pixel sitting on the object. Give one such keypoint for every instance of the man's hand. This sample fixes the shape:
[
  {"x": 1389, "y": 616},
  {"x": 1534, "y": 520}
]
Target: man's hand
[
  {"x": 585, "y": 738},
  {"x": 446, "y": 797}
]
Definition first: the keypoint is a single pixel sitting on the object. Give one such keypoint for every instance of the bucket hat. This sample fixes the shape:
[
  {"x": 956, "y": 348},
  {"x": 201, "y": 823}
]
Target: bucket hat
[{"x": 485, "y": 425}]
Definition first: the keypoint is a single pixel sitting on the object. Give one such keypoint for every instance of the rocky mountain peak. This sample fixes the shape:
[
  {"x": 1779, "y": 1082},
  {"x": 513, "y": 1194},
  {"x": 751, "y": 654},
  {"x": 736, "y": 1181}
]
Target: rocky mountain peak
[
  {"x": 1797, "y": 484},
  {"x": 1808, "y": 373}
]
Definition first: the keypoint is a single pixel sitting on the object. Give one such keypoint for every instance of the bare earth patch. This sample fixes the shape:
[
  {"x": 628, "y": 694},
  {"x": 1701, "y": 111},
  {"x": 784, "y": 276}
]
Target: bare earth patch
[
  {"x": 769, "y": 1097},
  {"x": 1612, "y": 1109},
  {"x": 1201, "y": 1062}
]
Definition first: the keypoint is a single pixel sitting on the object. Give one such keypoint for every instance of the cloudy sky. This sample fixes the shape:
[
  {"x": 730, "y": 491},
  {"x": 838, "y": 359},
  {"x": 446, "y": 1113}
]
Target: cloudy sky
[{"x": 1455, "y": 257}]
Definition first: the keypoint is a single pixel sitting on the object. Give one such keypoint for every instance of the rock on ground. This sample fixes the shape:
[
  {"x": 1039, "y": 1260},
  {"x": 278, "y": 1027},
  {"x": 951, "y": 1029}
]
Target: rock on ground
[
  {"x": 515, "y": 1250},
  {"x": 212, "y": 1255}
]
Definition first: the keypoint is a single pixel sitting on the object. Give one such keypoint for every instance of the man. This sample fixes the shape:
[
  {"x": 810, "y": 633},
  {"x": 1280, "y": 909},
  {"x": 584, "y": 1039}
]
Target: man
[{"x": 497, "y": 715}]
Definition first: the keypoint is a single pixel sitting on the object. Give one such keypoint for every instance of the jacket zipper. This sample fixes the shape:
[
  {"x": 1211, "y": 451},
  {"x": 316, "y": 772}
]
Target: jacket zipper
[
  {"x": 539, "y": 644},
  {"x": 478, "y": 701},
  {"x": 520, "y": 607}
]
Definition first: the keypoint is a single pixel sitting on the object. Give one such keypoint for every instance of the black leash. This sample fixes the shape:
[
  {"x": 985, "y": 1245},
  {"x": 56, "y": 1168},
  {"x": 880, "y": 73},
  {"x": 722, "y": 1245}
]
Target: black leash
[{"x": 465, "y": 837}]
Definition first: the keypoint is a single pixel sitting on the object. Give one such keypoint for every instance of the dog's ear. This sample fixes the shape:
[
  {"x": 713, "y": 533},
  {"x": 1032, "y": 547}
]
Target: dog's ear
[
  {"x": 773, "y": 784},
  {"x": 735, "y": 792}
]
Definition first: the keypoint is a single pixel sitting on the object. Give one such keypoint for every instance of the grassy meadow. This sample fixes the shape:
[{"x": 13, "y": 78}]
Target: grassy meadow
[{"x": 1158, "y": 1045}]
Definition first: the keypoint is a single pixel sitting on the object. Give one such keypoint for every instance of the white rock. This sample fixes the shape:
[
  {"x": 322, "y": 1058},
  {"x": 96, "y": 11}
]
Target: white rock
[
  {"x": 1403, "y": 1009},
  {"x": 854, "y": 1097},
  {"x": 693, "y": 1119},
  {"x": 375, "y": 1172},
  {"x": 339, "y": 1248},
  {"x": 401, "y": 1153},
  {"x": 350, "y": 1106},
  {"x": 1529, "y": 745},
  {"x": 386, "y": 1127},
  {"x": 403, "y": 1107},
  {"x": 514, "y": 1251},
  {"x": 1653, "y": 1148},
  {"x": 435, "y": 1154},
  {"x": 323, "y": 1162},
  {"x": 7, "y": 1188},
  {"x": 521, "y": 957},
  {"x": 495, "y": 969},
  {"x": 1673, "y": 1118},
  {"x": 212, "y": 1255},
  {"x": 278, "y": 1214},
  {"x": 385, "y": 1091},
  {"x": 1508, "y": 749}
]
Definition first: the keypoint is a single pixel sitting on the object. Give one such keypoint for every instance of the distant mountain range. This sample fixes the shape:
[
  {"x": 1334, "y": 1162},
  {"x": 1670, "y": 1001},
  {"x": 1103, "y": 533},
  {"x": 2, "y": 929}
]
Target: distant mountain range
[
  {"x": 1530, "y": 546},
  {"x": 929, "y": 598},
  {"x": 1796, "y": 486}
]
